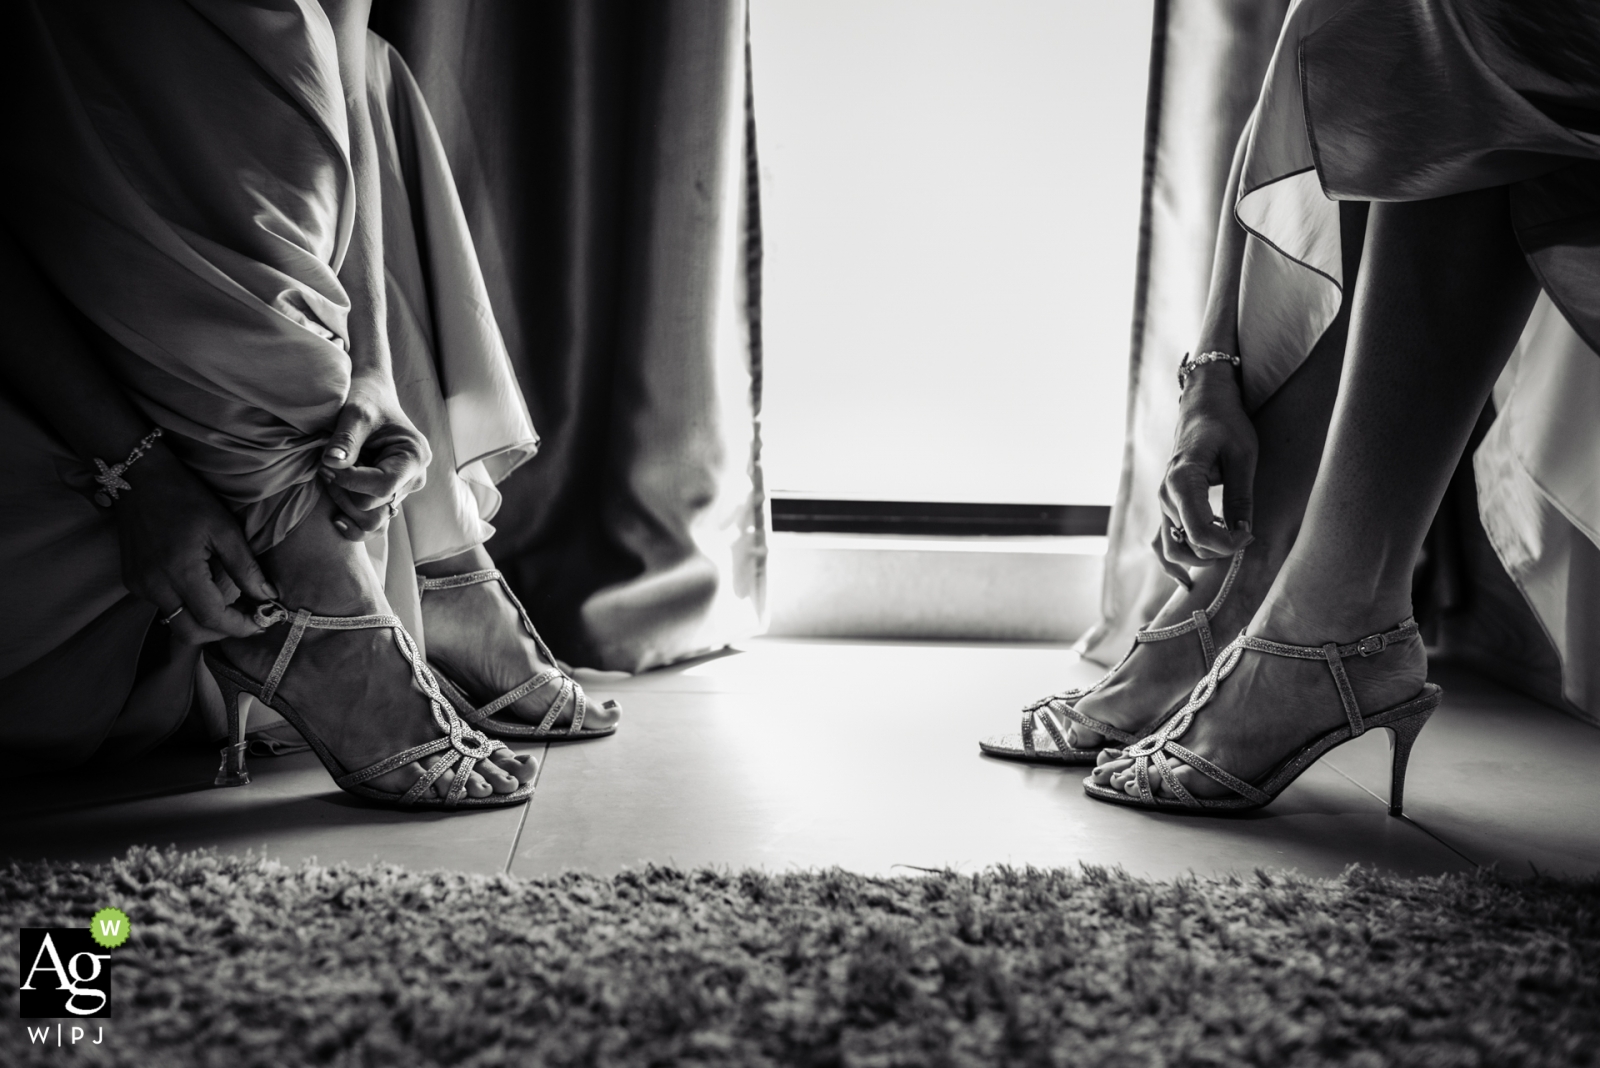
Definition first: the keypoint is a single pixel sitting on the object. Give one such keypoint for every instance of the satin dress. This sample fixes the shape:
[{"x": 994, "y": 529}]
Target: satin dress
[
  {"x": 1402, "y": 100},
  {"x": 182, "y": 175}
]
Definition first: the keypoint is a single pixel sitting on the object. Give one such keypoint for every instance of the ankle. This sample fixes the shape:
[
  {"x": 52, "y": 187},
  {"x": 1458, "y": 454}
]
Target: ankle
[
  {"x": 476, "y": 558},
  {"x": 316, "y": 568},
  {"x": 1330, "y": 621}
]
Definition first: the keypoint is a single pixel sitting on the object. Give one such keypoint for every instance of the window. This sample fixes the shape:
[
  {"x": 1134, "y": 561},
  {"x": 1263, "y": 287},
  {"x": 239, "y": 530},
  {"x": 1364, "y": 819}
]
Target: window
[{"x": 950, "y": 195}]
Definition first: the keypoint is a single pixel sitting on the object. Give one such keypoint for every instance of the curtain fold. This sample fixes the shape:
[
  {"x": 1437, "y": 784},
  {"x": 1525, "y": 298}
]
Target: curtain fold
[
  {"x": 605, "y": 161},
  {"x": 1208, "y": 58}
]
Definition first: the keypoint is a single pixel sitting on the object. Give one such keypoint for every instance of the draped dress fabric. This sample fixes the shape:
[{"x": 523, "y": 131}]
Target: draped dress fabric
[
  {"x": 181, "y": 173},
  {"x": 1382, "y": 100}
]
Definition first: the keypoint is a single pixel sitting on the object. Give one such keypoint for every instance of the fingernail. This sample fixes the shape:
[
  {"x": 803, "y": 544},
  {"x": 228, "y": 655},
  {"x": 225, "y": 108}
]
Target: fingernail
[
  {"x": 272, "y": 591},
  {"x": 324, "y": 474},
  {"x": 1243, "y": 524},
  {"x": 344, "y": 528},
  {"x": 337, "y": 453}
]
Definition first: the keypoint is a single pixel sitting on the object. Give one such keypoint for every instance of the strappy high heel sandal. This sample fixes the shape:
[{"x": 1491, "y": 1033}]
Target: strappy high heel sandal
[
  {"x": 1049, "y": 711},
  {"x": 1403, "y": 722},
  {"x": 459, "y": 750},
  {"x": 483, "y": 717}
]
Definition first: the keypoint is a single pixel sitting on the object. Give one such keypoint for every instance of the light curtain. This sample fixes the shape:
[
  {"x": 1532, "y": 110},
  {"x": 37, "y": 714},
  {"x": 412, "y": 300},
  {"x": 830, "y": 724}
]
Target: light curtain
[{"x": 1206, "y": 64}]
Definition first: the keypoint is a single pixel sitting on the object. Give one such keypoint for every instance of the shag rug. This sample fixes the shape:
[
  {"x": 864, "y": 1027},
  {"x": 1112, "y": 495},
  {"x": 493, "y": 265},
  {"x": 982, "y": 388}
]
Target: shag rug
[{"x": 244, "y": 962}]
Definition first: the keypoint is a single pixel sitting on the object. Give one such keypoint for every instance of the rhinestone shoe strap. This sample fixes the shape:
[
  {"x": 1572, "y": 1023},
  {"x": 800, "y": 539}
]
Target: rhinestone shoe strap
[
  {"x": 1155, "y": 750},
  {"x": 1047, "y": 709},
  {"x": 466, "y": 746},
  {"x": 1199, "y": 622},
  {"x": 569, "y": 688}
]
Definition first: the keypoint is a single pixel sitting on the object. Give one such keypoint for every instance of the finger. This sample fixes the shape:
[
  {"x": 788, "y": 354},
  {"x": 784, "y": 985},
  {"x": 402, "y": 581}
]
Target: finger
[
  {"x": 186, "y": 631},
  {"x": 1190, "y": 493},
  {"x": 365, "y": 520},
  {"x": 223, "y": 581},
  {"x": 240, "y": 565},
  {"x": 369, "y": 485},
  {"x": 350, "y": 432},
  {"x": 1238, "y": 491},
  {"x": 1176, "y": 547},
  {"x": 204, "y": 603},
  {"x": 185, "y": 628},
  {"x": 1162, "y": 547}
]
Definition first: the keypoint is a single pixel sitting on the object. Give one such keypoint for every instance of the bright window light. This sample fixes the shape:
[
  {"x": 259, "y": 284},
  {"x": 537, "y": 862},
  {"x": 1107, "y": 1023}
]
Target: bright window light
[{"x": 950, "y": 197}]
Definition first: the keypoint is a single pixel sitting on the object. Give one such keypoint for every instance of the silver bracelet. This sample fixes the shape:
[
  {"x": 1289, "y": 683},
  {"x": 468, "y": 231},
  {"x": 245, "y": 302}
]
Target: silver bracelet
[
  {"x": 1187, "y": 365},
  {"x": 110, "y": 476}
]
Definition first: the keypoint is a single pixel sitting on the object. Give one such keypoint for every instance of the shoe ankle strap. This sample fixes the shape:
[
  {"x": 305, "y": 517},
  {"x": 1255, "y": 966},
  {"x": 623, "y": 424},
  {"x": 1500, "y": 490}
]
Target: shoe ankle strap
[
  {"x": 1334, "y": 655},
  {"x": 271, "y": 613},
  {"x": 450, "y": 582},
  {"x": 1200, "y": 621},
  {"x": 1368, "y": 646}
]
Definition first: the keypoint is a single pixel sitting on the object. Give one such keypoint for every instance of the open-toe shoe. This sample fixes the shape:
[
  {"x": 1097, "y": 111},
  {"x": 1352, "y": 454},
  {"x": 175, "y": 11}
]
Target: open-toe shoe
[
  {"x": 484, "y": 717},
  {"x": 458, "y": 750},
  {"x": 1049, "y": 712},
  {"x": 1160, "y": 753}
]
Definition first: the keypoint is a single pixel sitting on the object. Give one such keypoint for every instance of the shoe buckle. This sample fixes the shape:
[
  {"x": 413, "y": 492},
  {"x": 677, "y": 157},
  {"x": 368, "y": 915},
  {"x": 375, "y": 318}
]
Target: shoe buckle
[{"x": 1374, "y": 644}]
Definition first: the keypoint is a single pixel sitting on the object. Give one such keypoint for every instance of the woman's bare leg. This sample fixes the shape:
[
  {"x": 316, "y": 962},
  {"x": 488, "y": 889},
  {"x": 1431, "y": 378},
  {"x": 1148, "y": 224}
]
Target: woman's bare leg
[
  {"x": 1443, "y": 295},
  {"x": 353, "y": 686},
  {"x": 1290, "y": 427}
]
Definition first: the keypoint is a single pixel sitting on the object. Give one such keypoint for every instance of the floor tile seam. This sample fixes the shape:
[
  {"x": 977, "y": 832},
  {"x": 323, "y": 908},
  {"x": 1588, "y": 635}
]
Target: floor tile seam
[
  {"x": 1384, "y": 802},
  {"x": 522, "y": 819}
]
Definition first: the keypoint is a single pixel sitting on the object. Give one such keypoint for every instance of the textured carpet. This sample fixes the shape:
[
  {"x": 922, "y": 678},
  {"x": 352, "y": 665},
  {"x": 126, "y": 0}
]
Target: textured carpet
[{"x": 243, "y": 962}]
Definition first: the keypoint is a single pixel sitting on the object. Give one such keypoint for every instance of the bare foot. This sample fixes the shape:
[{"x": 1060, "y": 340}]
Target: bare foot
[
  {"x": 476, "y": 634},
  {"x": 1271, "y": 706},
  {"x": 1158, "y": 677},
  {"x": 355, "y": 688}
]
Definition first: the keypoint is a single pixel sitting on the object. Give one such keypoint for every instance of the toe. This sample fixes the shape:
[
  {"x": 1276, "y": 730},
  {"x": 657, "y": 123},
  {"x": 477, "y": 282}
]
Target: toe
[
  {"x": 476, "y": 786},
  {"x": 1191, "y": 780},
  {"x": 521, "y": 768},
  {"x": 1103, "y": 773},
  {"x": 1107, "y": 756},
  {"x": 1081, "y": 737},
  {"x": 601, "y": 715},
  {"x": 499, "y": 780}
]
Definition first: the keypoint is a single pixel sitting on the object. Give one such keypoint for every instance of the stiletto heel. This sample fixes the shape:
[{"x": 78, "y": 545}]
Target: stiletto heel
[
  {"x": 233, "y": 771},
  {"x": 1402, "y": 736},
  {"x": 1160, "y": 755},
  {"x": 1049, "y": 712}
]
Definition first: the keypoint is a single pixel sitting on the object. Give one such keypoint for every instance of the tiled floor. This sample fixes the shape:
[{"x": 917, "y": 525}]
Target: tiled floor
[{"x": 793, "y": 754}]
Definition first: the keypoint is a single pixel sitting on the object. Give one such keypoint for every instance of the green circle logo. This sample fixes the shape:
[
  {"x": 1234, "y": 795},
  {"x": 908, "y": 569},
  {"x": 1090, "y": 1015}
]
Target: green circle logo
[{"x": 110, "y": 928}]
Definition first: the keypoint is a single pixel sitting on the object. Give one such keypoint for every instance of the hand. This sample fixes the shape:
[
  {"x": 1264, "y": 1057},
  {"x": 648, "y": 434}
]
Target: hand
[
  {"x": 1215, "y": 444},
  {"x": 374, "y": 459},
  {"x": 181, "y": 548}
]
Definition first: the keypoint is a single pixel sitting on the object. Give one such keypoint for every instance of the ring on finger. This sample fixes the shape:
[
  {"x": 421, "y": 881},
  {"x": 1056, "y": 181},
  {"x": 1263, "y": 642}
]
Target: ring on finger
[
  {"x": 394, "y": 508},
  {"x": 166, "y": 620},
  {"x": 1178, "y": 533}
]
